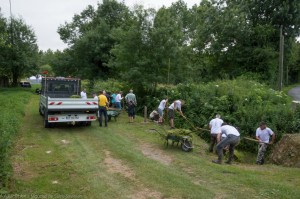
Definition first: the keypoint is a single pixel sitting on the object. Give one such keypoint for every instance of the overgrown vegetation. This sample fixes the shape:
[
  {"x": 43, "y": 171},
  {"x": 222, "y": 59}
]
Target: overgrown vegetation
[
  {"x": 241, "y": 102},
  {"x": 12, "y": 103}
]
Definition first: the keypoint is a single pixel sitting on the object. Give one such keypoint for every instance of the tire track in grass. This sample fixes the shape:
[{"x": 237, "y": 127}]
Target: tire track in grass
[
  {"x": 62, "y": 164},
  {"x": 120, "y": 171}
]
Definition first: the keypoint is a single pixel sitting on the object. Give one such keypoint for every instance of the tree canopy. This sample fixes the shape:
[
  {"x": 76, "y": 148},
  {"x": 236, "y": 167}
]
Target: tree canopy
[
  {"x": 213, "y": 40},
  {"x": 18, "y": 50}
]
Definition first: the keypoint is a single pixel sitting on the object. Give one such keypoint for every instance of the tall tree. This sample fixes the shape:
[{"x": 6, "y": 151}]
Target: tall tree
[
  {"x": 4, "y": 48},
  {"x": 18, "y": 53},
  {"x": 89, "y": 37},
  {"x": 233, "y": 37},
  {"x": 131, "y": 54},
  {"x": 23, "y": 52},
  {"x": 154, "y": 42}
]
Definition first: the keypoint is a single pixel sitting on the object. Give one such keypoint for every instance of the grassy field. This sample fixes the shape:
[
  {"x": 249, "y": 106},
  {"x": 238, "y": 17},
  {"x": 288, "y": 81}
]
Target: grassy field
[{"x": 127, "y": 160}]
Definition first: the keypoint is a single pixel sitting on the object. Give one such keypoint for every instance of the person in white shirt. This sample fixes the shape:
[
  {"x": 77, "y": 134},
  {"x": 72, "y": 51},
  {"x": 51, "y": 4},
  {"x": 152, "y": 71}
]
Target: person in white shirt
[
  {"x": 215, "y": 129},
  {"x": 83, "y": 94},
  {"x": 161, "y": 108},
  {"x": 95, "y": 96},
  {"x": 232, "y": 139},
  {"x": 118, "y": 100},
  {"x": 154, "y": 116},
  {"x": 263, "y": 134},
  {"x": 175, "y": 106}
]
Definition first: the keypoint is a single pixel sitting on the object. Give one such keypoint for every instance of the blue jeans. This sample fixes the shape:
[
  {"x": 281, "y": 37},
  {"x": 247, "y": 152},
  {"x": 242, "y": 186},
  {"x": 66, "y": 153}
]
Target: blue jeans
[
  {"x": 102, "y": 111},
  {"x": 118, "y": 105},
  {"x": 230, "y": 140}
]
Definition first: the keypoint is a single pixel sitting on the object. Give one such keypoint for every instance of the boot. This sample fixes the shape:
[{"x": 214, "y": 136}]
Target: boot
[{"x": 217, "y": 161}]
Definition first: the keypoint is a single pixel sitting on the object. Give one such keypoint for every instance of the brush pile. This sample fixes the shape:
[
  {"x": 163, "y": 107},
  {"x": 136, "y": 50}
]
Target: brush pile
[
  {"x": 180, "y": 132},
  {"x": 287, "y": 151}
]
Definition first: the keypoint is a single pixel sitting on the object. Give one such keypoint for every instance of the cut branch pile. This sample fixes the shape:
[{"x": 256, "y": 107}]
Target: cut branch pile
[{"x": 287, "y": 151}]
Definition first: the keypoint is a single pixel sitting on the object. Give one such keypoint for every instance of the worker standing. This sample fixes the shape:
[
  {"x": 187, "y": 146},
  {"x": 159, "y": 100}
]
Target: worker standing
[{"x": 263, "y": 134}]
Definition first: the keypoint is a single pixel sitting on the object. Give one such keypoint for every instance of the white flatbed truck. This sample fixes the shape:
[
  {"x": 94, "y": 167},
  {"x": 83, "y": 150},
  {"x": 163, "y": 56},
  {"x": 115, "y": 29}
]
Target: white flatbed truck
[{"x": 57, "y": 104}]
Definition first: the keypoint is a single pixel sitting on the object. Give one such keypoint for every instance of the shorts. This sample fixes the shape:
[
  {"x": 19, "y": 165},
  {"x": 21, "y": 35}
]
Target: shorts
[
  {"x": 131, "y": 111},
  {"x": 171, "y": 113},
  {"x": 160, "y": 112}
]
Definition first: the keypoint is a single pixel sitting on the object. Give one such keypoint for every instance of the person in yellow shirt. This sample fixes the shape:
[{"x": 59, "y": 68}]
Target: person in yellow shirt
[{"x": 103, "y": 104}]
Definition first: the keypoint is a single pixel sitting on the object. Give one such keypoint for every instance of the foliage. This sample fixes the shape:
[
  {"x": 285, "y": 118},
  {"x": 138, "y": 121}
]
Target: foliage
[
  {"x": 111, "y": 85},
  {"x": 90, "y": 40},
  {"x": 180, "y": 132},
  {"x": 12, "y": 99},
  {"x": 47, "y": 68},
  {"x": 18, "y": 50}
]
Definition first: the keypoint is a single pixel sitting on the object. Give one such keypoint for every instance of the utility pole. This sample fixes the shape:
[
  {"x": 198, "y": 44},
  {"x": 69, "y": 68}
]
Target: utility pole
[
  {"x": 281, "y": 51},
  {"x": 11, "y": 24}
]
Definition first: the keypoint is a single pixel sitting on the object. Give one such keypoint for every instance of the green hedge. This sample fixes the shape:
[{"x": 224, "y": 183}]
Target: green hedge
[
  {"x": 241, "y": 102},
  {"x": 12, "y": 106}
]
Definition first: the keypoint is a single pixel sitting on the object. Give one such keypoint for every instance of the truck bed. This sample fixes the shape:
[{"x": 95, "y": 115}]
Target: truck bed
[{"x": 69, "y": 104}]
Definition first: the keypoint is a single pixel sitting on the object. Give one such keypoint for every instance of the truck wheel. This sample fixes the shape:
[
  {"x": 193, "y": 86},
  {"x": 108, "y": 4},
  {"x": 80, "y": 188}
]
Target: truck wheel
[
  {"x": 40, "y": 111},
  {"x": 46, "y": 124},
  {"x": 186, "y": 146}
]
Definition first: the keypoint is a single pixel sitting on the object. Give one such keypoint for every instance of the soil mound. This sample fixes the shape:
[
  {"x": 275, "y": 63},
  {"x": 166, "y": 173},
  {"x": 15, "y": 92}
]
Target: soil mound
[{"x": 287, "y": 151}]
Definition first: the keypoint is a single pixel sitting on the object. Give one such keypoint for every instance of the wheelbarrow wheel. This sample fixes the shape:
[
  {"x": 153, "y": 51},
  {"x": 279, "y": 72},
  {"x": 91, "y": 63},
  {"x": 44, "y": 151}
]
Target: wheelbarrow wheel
[{"x": 186, "y": 146}]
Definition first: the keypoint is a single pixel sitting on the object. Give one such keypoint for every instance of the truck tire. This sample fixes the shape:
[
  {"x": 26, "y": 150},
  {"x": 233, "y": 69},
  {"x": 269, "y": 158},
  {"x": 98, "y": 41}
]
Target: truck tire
[
  {"x": 46, "y": 124},
  {"x": 40, "y": 111}
]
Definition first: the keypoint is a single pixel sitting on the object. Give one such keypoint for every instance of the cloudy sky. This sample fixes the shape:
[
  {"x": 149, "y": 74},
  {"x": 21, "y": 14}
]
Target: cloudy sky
[{"x": 45, "y": 16}]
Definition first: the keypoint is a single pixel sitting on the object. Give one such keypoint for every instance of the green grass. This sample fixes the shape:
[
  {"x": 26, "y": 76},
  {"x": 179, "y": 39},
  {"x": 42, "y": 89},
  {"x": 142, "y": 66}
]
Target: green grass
[
  {"x": 12, "y": 103},
  {"x": 129, "y": 161}
]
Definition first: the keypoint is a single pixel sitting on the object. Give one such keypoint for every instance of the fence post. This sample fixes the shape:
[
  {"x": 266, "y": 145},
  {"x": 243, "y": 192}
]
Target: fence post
[{"x": 145, "y": 114}]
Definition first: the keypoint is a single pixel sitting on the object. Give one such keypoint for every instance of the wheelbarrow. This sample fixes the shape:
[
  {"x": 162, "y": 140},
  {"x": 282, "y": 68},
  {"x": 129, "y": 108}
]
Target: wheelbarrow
[
  {"x": 113, "y": 113},
  {"x": 180, "y": 137}
]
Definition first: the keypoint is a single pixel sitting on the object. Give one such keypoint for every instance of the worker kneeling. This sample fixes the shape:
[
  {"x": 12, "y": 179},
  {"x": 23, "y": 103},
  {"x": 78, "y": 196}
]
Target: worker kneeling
[
  {"x": 154, "y": 116},
  {"x": 232, "y": 139}
]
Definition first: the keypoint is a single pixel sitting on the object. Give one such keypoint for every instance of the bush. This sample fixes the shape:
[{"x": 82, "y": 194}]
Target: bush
[
  {"x": 242, "y": 103},
  {"x": 10, "y": 99}
]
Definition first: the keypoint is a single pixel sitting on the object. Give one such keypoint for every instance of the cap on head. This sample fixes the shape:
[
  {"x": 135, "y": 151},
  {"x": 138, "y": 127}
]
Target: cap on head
[{"x": 218, "y": 116}]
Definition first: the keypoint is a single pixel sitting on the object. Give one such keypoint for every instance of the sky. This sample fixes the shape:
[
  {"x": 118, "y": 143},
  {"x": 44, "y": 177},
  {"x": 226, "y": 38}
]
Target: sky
[{"x": 45, "y": 16}]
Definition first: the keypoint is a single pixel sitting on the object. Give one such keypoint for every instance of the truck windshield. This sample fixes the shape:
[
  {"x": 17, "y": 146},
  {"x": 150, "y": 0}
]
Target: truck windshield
[{"x": 60, "y": 88}]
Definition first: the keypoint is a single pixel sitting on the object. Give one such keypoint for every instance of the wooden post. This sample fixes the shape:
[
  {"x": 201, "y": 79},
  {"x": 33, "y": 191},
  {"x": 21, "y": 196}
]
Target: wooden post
[
  {"x": 145, "y": 114},
  {"x": 281, "y": 51}
]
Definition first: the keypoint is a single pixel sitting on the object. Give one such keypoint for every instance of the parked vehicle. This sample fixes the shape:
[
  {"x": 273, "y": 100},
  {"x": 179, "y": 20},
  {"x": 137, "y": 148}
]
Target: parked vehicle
[
  {"x": 60, "y": 102},
  {"x": 25, "y": 84}
]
